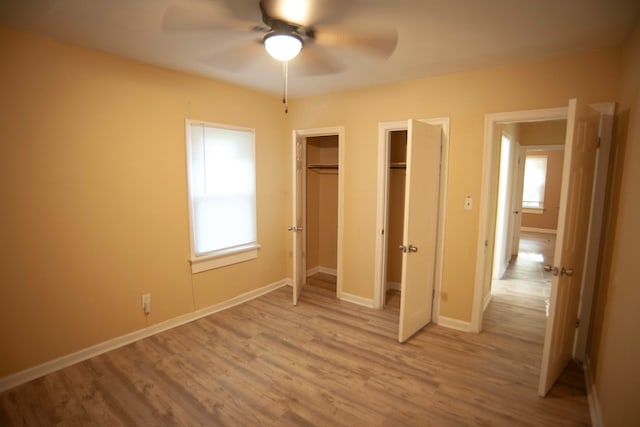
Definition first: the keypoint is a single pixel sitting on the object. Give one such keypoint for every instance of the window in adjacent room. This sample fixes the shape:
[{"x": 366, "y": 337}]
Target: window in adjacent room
[
  {"x": 535, "y": 177},
  {"x": 222, "y": 195}
]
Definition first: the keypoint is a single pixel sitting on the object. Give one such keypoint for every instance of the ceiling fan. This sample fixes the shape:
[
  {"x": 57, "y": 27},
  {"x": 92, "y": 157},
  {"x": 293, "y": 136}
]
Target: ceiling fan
[{"x": 330, "y": 35}]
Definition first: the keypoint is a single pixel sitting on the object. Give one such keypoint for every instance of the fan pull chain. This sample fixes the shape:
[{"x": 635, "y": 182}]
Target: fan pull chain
[{"x": 285, "y": 78}]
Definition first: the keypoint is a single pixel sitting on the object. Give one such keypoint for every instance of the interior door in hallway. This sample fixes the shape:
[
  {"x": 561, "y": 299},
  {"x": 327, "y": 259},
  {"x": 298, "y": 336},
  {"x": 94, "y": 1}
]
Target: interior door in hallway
[
  {"x": 420, "y": 227},
  {"x": 573, "y": 222}
]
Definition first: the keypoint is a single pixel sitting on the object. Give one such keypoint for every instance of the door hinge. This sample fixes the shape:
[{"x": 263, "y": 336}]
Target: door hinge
[
  {"x": 599, "y": 140},
  {"x": 577, "y": 323}
]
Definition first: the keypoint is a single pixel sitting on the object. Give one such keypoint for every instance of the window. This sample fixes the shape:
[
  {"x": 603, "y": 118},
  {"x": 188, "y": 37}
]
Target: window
[
  {"x": 222, "y": 195},
  {"x": 535, "y": 177}
]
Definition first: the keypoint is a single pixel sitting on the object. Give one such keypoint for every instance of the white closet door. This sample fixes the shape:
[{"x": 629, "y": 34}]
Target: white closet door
[{"x": 420, "y": 227}]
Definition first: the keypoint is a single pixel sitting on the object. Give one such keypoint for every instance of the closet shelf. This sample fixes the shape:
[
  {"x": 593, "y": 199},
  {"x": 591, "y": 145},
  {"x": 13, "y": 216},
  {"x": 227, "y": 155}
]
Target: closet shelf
[
  {"x": 322, "y": 166},
  {"x": 398, "y": 165}
]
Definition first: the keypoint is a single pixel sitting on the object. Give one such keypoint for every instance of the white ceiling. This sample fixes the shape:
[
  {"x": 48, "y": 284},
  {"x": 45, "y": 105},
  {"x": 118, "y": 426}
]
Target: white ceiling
[{"x": 434, "y": 36}]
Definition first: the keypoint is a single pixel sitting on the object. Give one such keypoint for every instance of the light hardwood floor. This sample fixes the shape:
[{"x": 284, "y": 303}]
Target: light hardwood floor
[
  {"x": 519, "y": 307},
  {"x": 520, "y": 299},
  {"x": 324, "y": 362}
]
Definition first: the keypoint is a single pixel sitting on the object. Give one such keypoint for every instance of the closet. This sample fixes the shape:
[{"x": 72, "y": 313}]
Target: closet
[
  {"x": 395, "y": 227},
  {"x": 322, "y": 208}
]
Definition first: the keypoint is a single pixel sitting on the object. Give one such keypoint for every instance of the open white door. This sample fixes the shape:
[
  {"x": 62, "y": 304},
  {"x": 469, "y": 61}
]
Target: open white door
[
  {"x": 516, "y": 208},
  {"x": 573, "y": 221},
  {"x": 502, "y": 238},
  {"x": 299, "y": 267},
  {"x": 420, "y": 227},
  {"x": 517, "y": 205}
]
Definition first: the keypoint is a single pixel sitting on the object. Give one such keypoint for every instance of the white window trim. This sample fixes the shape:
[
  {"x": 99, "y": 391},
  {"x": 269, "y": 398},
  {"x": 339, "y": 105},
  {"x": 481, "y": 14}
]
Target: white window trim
[
  {"x": 222, "y": 257},
  {"x": 536, "y": 210}
]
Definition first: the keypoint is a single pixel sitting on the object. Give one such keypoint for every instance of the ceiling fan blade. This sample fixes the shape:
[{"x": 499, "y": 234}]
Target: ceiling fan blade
[
  {"x": 380, "y": 43},
  {"x": 196, "y": 16},
  {"x": 307, "y": 12},
  {"x": 246, "y": 10},
  {"x": 314, "y": 60},
  {"x": 238, "y": 58}
]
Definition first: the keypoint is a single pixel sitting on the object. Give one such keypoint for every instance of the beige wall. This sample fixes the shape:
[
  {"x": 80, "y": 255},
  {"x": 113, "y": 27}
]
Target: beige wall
[
  {"x": 94, "y": 202},
  {"x": 322, "y": 204},
  {"x": 465, "y": 98},
  {"x": 312, "y": 222},
  {"x": 548, "y": 219},
  {"x": 551, "y": 132},
  {"x": 614, "y": 348}
]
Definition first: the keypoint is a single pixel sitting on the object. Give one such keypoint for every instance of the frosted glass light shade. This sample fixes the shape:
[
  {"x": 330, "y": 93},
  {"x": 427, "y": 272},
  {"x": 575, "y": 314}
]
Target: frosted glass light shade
[{"x": 282, "y": 47}]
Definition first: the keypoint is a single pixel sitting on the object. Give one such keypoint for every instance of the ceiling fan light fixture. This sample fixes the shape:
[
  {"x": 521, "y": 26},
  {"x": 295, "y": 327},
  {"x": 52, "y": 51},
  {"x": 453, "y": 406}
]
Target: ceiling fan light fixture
[{"x": 282, "y": 46}]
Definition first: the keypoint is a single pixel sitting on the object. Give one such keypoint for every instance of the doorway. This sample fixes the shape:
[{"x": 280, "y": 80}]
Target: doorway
[
  {"x": 516, "y": 300},
  {"x": 528, "y": 201},
  {"x": 411, "y": 194},
  {"x": 585, "y": 169},
  {"x": 321, "y": 224},
  {"x": 395, "y": 214},
  {"x": 317, "y": 191}
]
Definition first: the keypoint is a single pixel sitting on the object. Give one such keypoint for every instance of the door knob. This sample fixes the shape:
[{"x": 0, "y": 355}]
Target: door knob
[
  {"x": 566, "y": 272},
  {"x": 403, "y": 248},
  {"x": 412, "y": 248},
  {"x": 554, "y": 270}
]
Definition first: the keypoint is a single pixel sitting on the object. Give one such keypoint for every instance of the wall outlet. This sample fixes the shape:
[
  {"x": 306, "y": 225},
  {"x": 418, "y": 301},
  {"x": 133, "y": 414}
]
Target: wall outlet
[
  {"x": 146, "y": 303},
  {"x": 468, "y": 203}
]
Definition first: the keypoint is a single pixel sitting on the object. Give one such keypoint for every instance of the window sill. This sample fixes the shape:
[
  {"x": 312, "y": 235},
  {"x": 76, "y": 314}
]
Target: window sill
[
  {"x": 224, "y": 257},
  {"x": 537, "y": 211}
]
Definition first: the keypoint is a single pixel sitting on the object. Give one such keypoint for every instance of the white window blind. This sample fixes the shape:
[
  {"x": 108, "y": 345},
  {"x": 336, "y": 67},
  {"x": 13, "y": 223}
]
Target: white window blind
[
  {"x": 221, "y": 163},
  {"x": 535, "y": 177}
]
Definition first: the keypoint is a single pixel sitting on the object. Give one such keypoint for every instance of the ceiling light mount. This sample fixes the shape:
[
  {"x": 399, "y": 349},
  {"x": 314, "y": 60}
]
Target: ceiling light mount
[{"x": 282, "y": 46}]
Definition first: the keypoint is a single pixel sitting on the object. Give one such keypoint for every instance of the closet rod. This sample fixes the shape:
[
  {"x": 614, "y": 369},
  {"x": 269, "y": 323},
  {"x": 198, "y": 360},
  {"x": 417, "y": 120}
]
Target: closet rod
[
  {"x": 398, "y": 165},
  {"x": 322, "y": 166}
]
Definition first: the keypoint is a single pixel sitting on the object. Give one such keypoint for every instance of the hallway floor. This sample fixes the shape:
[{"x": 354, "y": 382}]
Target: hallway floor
[
  {"x": 519, "y": 306},
  {"x": 525, "y": 283}
]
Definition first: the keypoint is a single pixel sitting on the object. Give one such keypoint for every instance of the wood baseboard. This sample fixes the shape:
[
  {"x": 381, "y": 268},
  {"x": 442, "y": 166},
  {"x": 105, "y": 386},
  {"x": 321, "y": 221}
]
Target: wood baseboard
[
  {"x": 394, "y": 285},
  {"x": 48, "y": 367},
  {"x": 321, "y": 269},
  {"x": 456, "y": 324},
  {"x": 487, "y": 300},
  {"x": 355, "y": 299},
  {"x": 539, "y": 230},
  {"x": 592, "y": 395}
]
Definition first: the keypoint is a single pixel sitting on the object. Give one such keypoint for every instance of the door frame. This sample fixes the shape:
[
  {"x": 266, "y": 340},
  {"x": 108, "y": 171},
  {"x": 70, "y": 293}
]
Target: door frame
[
  {"x": 487, "y": 211},
  {"x": 302, "y": 135},
  {"x": 382, "y": 204}
]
